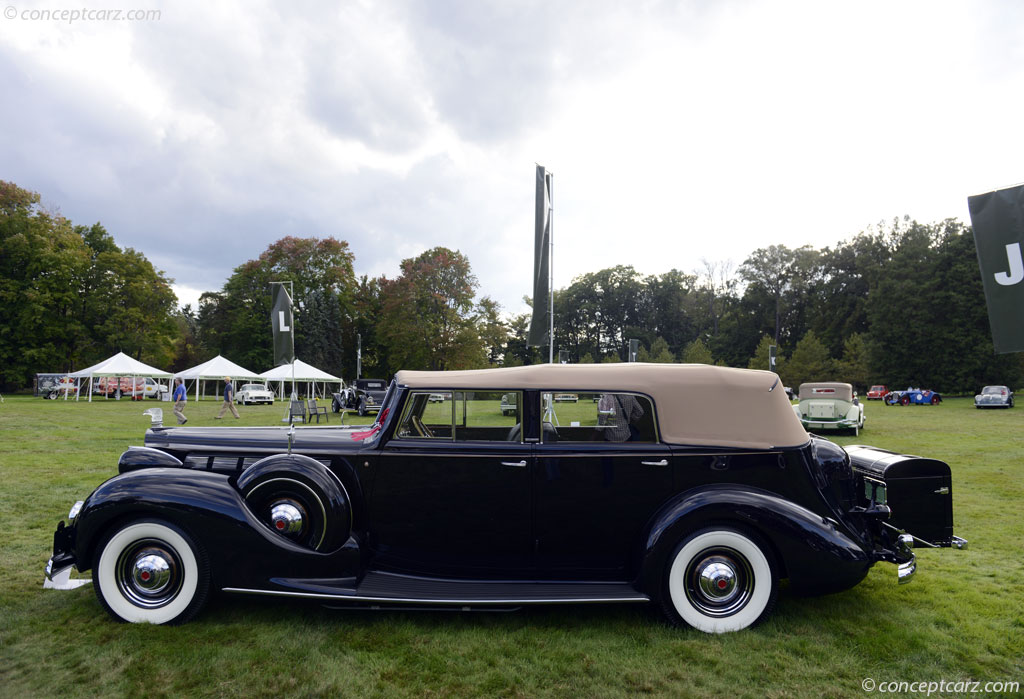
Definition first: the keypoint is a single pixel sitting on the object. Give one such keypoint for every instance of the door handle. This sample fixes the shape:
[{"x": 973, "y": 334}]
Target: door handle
[
  {"x": 517, "y": 464},
  {"x": 663, "y": 462}
]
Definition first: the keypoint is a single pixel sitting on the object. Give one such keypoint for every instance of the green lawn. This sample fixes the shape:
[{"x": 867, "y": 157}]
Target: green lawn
[{"x": 962, "y": 617}]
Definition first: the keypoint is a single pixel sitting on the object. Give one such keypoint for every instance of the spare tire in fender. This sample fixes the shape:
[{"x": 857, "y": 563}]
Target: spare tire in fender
[{"x": 300, "y": 499}]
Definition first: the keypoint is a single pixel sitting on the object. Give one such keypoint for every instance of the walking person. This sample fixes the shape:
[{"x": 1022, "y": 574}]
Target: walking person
[
  {"x": 229, "y": 399},
  {"x": 179, "y": 402}
]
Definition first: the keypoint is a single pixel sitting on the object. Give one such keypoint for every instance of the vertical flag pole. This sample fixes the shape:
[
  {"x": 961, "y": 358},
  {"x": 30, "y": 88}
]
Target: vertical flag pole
[
  {"x": 551, "y": 269},
  {"x": 291, "y": 296}
]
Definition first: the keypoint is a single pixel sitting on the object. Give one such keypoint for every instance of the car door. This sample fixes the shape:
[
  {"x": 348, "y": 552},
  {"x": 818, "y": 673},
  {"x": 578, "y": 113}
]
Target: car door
[
  {"x": 599, "y": 478},
  {"x": 452, "y": 491}
]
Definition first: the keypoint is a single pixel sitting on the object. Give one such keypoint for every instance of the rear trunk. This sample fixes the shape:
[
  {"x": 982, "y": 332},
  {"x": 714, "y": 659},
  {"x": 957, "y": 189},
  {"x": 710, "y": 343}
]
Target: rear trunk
[{"x": 918, "y": 491}]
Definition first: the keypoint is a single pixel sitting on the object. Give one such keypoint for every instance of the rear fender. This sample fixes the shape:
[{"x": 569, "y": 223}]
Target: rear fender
[
  {"x": 242, "y": 550},
  {"x": 810, "y": 550}
]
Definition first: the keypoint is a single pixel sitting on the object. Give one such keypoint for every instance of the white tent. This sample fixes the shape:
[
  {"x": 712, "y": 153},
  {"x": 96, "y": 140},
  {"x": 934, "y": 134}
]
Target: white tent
[
  {"x": 215, "y": 370},
  {"x": 300, "y": 372},
  {"x": 120, "y": 365}
]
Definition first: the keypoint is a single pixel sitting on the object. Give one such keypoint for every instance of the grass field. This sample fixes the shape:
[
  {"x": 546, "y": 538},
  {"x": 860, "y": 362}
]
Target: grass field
[{"x": 961, "y": 618}]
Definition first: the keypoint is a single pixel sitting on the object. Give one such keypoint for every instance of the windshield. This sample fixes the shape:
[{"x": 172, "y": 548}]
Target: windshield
[
  {"x": 254, "y": 387},
  {"x": 993, "y": 390},
  {"x": 372, "y": 432}
]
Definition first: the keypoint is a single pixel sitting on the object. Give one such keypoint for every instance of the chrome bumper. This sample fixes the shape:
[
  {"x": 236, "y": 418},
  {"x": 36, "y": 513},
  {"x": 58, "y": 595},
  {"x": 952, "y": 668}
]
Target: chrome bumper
[
  {"x": 905, "y": 571},
  {"x": 58, "y": 568},
  {"x": 59, "y": 578}
]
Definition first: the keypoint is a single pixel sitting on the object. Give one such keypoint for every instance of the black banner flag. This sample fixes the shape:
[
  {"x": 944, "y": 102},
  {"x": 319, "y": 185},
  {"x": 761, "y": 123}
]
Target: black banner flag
[
  {"x": 539, "y": 323},
  {"x": 281, "y": 322},
  {"x": 998, "y": 220}
]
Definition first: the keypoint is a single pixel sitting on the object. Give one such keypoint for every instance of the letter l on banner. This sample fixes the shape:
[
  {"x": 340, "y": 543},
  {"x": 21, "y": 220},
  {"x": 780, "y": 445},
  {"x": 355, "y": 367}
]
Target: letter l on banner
[
  {"x": 998, "y": 221},
  {"x": 281, "y": 322}
]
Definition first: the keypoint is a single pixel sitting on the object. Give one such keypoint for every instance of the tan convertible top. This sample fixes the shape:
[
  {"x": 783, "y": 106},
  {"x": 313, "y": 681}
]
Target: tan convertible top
[
  {"x": 697, "y": 404},
  {"x": 833, "y": 390}
]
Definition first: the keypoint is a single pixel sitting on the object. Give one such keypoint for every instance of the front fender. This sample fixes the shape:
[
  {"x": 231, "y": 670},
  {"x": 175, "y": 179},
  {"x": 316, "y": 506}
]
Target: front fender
[
  {"x": 242, "y": 550},
  {"x": 811, "y": 550}
]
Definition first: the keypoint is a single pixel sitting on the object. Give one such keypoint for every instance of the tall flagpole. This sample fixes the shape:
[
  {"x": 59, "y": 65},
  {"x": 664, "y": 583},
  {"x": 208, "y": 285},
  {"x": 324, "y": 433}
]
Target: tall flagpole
[
  {"x": 551, "y": 269},
  {"x": 291, "y": 303}
]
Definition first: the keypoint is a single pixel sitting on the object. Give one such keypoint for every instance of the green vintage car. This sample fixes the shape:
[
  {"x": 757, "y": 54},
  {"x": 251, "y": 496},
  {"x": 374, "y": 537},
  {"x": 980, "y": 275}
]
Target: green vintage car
[{"x": 829, "y": 406}]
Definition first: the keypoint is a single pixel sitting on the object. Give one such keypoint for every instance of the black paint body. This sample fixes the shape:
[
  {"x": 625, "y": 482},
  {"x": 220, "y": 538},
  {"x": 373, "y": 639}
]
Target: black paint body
[{"x": 497, "y": 522}]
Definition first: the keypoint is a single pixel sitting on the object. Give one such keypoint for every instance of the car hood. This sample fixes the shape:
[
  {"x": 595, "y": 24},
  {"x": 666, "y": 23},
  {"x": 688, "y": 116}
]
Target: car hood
[{"x": 254, "y": 440}]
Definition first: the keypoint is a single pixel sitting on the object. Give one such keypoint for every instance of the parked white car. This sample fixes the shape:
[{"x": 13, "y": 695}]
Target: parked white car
[
  {"x": 829, "y": 405},
  {"x": 254, "y": 393}
]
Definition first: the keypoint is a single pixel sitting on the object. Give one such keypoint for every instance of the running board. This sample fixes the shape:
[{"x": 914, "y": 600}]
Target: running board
[{"x": 392, "y": 588}]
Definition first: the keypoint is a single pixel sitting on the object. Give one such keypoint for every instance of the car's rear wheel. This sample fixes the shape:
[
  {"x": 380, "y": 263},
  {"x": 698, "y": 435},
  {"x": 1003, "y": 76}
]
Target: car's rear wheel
[
  {"x": 905, "y": 400},
  {"x": 719, "y": 580},
  {"x": 935, "y": 400},
  {"x": 150, "y": 571}
]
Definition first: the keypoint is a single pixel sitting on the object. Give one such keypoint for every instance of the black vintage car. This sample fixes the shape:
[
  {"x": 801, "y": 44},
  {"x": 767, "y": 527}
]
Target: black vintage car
[
  {"x": 691, "y": 487},
  {"x": 365, "y": 396}
]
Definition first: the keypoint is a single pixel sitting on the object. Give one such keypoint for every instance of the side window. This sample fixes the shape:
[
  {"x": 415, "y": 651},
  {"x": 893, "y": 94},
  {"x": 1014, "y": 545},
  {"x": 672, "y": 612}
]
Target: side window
[
  {"x": 428, "y": 415},
  {"x": 463, "y": 416},
  {"x": 598, "y": 417},
  {"x": 488, "y": 416}
]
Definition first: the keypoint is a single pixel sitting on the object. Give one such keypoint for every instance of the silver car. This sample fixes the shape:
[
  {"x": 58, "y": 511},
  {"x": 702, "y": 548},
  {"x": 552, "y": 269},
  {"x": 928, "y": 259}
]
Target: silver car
[{"x": 994, "y": 397}]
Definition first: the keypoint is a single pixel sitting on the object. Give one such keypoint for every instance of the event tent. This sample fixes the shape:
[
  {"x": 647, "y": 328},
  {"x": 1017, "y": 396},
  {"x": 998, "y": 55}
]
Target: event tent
[
  {"x": 300, "y": 372},
  {"x": 215, "y": 370},
  {"x": 120, "y": 365}
]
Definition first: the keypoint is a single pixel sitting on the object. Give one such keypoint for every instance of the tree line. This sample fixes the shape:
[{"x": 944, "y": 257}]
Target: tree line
[{"x": 899, "y": 303}]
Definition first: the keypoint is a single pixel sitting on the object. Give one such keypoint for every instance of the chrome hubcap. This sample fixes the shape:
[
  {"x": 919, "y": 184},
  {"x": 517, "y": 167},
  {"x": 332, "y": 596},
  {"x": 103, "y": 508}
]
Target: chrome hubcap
[
  {"x": 149, "y": 573},
  {"x": 286, "y": 517},
  {"x": 719, "y": 582}
]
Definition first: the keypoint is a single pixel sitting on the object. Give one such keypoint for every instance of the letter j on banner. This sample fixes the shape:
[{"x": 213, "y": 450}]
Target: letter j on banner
[
  {"x": 281, "y": 322},
  {"x": 998, "y": 220}
]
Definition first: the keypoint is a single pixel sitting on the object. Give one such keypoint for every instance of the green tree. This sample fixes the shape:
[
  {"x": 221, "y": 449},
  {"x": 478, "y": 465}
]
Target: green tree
[
  {"x": 235, "y": 322},
  {"x": 492, "y": 330},
  {"x": 854, "y": 367},
  {"x": 697, "y": 353},
  {"x": 658, "y": 354},
  {"x": 810, "y": 361},
  {"x": 768, "y": 271},
  {"x": 428, "y": 320},
  {"x": 70, "y": 297},
  {"x": 762, "y": 353}
]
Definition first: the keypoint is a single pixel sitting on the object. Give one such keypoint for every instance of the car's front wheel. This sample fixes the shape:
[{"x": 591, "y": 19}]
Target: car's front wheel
[
  {"x": 719, "y": 580},
  {"x": 151, "y": 571}
]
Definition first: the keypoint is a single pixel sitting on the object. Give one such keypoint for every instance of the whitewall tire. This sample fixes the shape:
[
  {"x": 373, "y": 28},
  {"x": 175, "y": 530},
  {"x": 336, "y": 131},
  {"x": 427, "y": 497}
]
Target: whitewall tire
[
  {"x": 719, "y": 580},
  {"x": 151, "y": 572}
]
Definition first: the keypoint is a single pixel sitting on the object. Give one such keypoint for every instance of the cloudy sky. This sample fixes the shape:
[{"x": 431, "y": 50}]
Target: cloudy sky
[{"x": 676, "y": 131}]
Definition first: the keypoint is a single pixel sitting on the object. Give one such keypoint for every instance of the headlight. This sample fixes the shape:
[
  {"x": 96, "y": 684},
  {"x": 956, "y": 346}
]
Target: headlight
[{"x": 73, "y": 513}]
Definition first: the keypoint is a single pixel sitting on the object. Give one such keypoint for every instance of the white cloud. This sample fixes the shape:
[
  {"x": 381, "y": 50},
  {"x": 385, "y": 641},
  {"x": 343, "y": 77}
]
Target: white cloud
[{"x": 675, "y": 131}]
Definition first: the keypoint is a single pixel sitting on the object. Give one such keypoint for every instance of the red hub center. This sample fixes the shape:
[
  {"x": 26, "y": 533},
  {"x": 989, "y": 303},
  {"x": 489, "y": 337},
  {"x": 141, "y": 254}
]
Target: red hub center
[
  {"x": 722, "y": 584},
  {"x": 145, "y": 576},
  {"x": 279, "y": 524}
]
